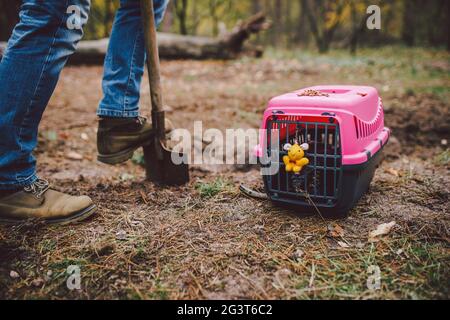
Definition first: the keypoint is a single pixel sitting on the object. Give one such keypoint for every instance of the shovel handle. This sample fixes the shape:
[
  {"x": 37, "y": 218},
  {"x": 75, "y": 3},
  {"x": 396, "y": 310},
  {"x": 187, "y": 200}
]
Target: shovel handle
[{"x": 153, "y": 66}]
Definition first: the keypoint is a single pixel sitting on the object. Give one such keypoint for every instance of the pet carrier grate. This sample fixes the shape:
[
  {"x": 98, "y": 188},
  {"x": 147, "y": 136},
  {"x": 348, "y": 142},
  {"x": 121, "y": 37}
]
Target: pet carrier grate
[
  {"x": 320, "y": 179},
  {"x": 344, "y": 128}
]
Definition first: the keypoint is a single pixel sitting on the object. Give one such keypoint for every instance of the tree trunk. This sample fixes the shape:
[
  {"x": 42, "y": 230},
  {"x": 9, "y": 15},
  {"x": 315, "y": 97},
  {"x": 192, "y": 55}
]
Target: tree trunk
[
  {"x": 278, "y": 25},
  {"x": 314, "y": 26},
  {"x": 358, "y": 28},
  {"x": 256, "y": 6},
  {"x": 323, "y": 35},
  {"x": 287, "y": 29},
  {"x": 108, "y": 18},
  {"x": 181, "y": 7},
  {"x": 409, "y": 23},
  {"x": 214, "y": 15},
  {"x": 173, "y": 46},
  {"x": 302, "y": 29}
]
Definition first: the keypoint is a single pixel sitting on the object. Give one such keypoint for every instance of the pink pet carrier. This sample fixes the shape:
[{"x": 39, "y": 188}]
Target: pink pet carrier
[{"x": 344, "y": 129}]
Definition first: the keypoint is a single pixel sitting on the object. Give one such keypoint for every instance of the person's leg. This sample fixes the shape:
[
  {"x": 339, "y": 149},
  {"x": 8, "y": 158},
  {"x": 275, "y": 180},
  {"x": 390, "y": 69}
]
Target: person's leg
[
  {"x": 41, "y": 42},
  {"x": 36, "y": 52},
  {"x": 121, "y": 131},
  {"x": 125, "y": 59}
]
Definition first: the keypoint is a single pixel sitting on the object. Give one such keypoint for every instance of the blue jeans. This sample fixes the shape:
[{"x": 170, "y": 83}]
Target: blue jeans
[{"x": 38, "y": 49}]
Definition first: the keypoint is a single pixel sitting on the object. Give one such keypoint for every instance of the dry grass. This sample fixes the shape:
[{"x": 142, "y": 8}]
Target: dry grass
[{"x": 206, "y": 240}]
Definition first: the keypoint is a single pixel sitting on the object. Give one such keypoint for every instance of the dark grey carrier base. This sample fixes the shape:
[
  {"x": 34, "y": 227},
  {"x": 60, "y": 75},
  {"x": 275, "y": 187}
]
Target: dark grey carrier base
[{"x": 353, "y": 183}]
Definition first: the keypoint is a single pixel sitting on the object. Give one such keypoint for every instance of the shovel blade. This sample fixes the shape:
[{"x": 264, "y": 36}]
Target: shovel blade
[{"x": 163, "y": 171}]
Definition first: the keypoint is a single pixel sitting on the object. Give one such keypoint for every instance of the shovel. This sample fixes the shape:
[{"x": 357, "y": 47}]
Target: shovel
[{"x": 159, "y": 165}]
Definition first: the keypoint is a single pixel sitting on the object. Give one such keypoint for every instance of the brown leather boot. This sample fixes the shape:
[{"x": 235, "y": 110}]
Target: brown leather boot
[
  {"x": 119, "y": 138},
  {"x": 38, "y": 201}
]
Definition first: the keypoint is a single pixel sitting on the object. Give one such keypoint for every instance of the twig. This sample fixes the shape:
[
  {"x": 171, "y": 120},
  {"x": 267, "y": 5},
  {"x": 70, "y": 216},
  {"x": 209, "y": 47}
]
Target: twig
[
  {"x": 308, "y": 197},
  {"x": 313, "y": 274},
  {"x": 252, "y": 193}
]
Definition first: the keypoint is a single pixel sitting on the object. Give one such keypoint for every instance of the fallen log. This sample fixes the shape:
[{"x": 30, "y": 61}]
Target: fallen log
[{"x": 174, "y": 46}]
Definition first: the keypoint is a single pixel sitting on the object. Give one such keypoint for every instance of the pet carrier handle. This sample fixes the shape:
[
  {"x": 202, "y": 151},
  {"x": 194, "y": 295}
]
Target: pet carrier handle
[{"x": 153, "y": 65}]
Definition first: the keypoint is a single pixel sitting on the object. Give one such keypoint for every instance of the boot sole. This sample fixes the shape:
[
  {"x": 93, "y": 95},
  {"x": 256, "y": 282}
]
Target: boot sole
[
  {"x": 73, "y": 219},
  {"x": 117, "y": 158}
]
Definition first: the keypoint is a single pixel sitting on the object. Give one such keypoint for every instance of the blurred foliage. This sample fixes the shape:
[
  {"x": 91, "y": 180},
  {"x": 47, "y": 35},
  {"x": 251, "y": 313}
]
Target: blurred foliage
[
  {"x": 101, "y": 18},
  {"x": 296, "y": 23}
]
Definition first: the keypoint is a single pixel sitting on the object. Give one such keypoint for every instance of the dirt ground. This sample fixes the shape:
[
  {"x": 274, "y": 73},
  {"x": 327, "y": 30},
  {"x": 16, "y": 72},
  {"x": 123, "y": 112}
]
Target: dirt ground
[{"x": 208, "y": 241}]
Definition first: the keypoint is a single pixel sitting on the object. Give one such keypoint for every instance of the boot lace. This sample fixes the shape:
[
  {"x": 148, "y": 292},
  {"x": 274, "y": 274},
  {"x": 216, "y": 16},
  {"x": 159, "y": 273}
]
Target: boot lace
[
  {"x": 37, "y": 188},
  {"x": 141, "y": 120}
]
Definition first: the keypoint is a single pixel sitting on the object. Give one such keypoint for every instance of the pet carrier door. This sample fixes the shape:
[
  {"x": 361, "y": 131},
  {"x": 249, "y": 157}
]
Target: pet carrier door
[{"x": 320, "y": 180}]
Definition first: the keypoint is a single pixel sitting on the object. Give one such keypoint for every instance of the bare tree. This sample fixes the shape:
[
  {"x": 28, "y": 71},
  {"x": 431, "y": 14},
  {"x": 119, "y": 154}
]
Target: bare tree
[
  {"x": 108, "y": 17},
  {"x": 358, "y": 25},
  {"x": 181, "y": 7},
  {"x": 278, "y": 21},
  {"x": 302, "y": 30},
  {"x": 409, "y": 22},
  {"x": 288, "y": 14},
  {"x": 214, "y": 14},
  {"x": 256, "y": 6},
  {"x": 317, "y": 17}
]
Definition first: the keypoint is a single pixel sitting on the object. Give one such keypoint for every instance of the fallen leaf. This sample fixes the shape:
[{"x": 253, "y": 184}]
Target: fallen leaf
[
  {"x": 393, "y": 172},
  {"x": 335, "y": 231},
  {"x": 72, "y": 155},
  {"x": 121, "y": 235},
  {"x": 143, "y": 196},
  {"x": 126, "y": 177},
  {"x": 168, "y": 108},
  {"x": 342, "y": 244},
  {"x": 360, "y": 245},
  {"x": 63, "y": 136},
  {"x": 298, "y": 254},
  {"x": 381, "y": 230},
  {"x": 37, "y": 282},
  {"x": 99, "y": 229},
  {"x": 283, "y": 274}
]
